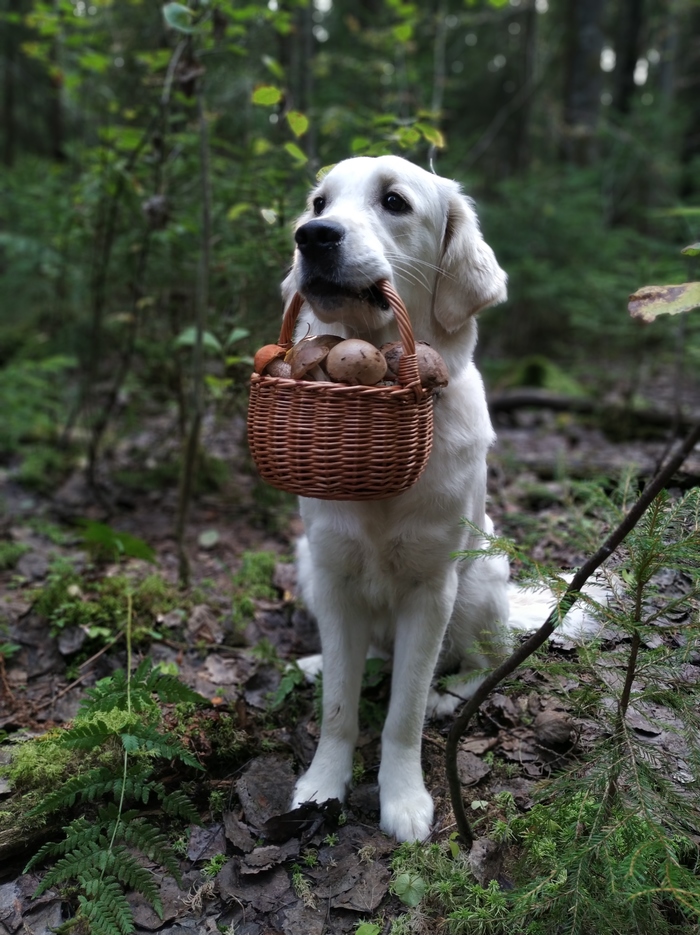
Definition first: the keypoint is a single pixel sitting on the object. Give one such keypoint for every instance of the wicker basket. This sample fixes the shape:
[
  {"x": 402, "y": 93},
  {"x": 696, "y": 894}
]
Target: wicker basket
[{"x": 332, "y": 441}]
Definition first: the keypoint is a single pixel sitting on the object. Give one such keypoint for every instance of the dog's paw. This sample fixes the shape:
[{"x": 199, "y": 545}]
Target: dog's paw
[
  {"x": 320, "y": 785},
  {"x": 444, "y": 704},
  {"x": 407, "y": 817},
  {"x": 311, "y": 666}
]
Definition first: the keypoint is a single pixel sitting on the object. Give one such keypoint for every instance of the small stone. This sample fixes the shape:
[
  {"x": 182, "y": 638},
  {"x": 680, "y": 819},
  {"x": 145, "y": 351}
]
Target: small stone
[{"x": 553, "y": 728}]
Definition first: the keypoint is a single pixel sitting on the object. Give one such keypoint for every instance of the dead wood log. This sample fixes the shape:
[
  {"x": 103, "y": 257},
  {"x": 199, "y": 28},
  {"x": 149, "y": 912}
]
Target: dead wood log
[{"x": 617, "y": 419}]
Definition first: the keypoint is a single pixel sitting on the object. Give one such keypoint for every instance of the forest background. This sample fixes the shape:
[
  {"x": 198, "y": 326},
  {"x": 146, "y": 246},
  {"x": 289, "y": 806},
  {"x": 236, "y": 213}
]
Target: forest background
[
  {"x": 155, "y": 157},
  {"x": 153, "y": 160}
]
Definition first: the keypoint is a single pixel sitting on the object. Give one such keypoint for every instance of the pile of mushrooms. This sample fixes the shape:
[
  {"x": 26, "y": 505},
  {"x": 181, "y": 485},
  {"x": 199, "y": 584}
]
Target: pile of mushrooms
[{"x": 328, "y": 358}]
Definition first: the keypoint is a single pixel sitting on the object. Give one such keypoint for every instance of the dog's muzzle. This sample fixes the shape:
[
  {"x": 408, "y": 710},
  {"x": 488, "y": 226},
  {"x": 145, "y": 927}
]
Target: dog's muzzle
[{"x": 319, "y": 243}]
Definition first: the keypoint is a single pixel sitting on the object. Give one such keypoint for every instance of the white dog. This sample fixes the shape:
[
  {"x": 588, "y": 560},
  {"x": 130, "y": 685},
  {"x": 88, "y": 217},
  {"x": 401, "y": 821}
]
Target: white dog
[{"x": 383, "y": 573}]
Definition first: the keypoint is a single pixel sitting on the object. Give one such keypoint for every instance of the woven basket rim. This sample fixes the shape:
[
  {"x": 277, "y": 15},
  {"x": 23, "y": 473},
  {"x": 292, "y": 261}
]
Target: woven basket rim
[{"x": 408, "y": 375}]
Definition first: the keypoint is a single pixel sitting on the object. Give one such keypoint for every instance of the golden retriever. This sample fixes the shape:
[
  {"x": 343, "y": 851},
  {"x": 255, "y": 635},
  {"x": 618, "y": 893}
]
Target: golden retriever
[{"x": 382, "y": 577}]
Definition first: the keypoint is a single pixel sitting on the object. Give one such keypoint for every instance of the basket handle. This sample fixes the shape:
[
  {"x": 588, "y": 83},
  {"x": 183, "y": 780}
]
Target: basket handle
[{"x": 408, "y": 365}]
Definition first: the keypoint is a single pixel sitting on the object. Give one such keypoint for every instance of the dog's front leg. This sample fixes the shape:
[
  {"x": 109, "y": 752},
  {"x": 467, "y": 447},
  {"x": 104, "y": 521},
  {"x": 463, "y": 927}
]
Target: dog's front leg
[
  {"x": 406, "y": 806},
  {"x": 344, "y": 626}
]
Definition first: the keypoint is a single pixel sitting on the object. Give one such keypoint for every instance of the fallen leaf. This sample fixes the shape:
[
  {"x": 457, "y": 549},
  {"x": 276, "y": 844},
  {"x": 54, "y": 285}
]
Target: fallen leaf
[{"x": 649, "y": 302}]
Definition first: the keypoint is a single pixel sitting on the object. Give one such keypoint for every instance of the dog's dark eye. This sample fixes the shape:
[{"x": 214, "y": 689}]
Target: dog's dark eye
[
  {"x": 319, "y": 205},
  {"x": 395, "y": 203}
]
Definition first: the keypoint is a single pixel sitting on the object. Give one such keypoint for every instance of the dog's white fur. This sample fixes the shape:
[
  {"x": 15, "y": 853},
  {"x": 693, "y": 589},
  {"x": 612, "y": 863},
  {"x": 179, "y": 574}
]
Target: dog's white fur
[{"x": 383, "y": 574}]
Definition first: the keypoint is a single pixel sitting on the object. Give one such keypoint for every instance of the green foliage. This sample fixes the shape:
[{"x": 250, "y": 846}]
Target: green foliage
[
  {"x": 553, "y": 310},
  {"x": 409, "y": 887},
  {"x": 120, "y": 718},
  {"x": 611, "y": 845},
  {"x": 11, "y": 553},
  {"x": 33, "y": 395},
  {"x": 40, "y": 764},
  {"x": 253, "y": 581},
  {"x": 110, "y": 544},
  {"x": 292, "y": 678},
  {"x": 71, "y": 600},
  {"x": 368, "y": 928}
]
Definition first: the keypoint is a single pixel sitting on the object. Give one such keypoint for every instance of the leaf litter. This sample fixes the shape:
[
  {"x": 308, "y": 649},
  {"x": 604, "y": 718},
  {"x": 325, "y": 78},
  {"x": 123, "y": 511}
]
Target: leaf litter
[{"x": 317, "y": 869}]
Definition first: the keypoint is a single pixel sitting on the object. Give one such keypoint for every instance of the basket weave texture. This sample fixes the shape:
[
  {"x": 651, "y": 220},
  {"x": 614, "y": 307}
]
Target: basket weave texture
[{"x": 332, "y": 441}]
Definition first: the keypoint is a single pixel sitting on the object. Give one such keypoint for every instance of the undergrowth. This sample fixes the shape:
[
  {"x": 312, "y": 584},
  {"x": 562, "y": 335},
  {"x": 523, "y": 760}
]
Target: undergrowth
[
  {"x": 11, "y": 553},
  {"x": 120, "y": 734},
  {"x": 253, "y": 581},
  {"x": 70, "y": 599},
  {"x": 611, "y": 846}
]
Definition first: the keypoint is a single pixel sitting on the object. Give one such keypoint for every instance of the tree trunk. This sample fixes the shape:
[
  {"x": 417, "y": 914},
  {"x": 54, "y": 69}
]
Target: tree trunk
[
  {"x": 8, "y": 103},
  {"x": 689, "y": 94},
  {"x": 669, "y": 52},
  {"x": 528, "y": 76},
  {"x": 583, "y": 80},
  {"x": 627, "y": 49}
]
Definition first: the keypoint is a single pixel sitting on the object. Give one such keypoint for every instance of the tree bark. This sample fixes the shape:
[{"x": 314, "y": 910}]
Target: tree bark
[
  {"x": 528, "y": 73},
  {"x": 583, "y": 80},
  {"x": 627, "y": 49},
  {"x": 9, "y": 122}
]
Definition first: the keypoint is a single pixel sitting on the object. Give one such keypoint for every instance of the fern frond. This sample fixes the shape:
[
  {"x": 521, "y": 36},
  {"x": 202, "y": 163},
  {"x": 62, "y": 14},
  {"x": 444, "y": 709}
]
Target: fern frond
[
  {"x": 125, "y": 868},
  {"x": 82, "y": 862},
  {"x": 153, "y": 843},
  {"x": 87, "y": 736},
  {"x": 178, "y": 805},
  {"x": 146, "y": 737},
  {"x": 86, "y": 786},
  {"x": 108, "y": 912},
  {"x": 78, "y": 833},
  {"x": 108, "y": 693},
  {"x": 171, "y": 690}
]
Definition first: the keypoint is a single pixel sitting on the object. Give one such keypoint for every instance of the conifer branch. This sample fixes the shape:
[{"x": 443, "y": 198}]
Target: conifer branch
[{"x": 537, "y": 639}]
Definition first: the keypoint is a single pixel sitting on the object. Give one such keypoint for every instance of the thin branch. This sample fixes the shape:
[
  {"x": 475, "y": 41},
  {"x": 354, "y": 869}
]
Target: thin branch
[{"x": 192, "y": 443}]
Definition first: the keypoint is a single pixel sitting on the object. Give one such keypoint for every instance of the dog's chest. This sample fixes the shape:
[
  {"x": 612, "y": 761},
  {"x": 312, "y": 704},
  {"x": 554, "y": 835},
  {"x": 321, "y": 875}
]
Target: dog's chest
[{"x": 379, "y": 555}]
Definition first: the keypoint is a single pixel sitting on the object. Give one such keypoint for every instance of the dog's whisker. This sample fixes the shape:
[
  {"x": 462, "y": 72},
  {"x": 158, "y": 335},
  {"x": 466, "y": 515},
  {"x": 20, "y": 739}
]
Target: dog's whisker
[
  {"x": 401, "y": 266},
  {"x": 410, "y": 277},
  {"x": 404, "y": 258}
]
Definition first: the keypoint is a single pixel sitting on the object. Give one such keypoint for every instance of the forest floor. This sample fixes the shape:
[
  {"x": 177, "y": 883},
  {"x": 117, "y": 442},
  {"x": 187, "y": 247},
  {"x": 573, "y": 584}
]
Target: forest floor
[{"x": 326, "y": 876}]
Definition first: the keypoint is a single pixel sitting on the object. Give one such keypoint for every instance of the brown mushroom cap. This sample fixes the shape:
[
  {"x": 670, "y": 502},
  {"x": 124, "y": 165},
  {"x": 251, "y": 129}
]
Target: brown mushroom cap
[
  {"x": 355, "y": 361},
  {"x": 308, "y": 354},
  {"x": 266, "y": 354},
  {"x": 431, "y": 366}
]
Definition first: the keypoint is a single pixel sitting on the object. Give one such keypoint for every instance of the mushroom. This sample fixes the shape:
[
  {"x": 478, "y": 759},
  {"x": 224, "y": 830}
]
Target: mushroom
[
  {"x": 307, "y": 355},
  {"x": 355, "y": 361},
  {"x": 278, "y": 368},
  {"x": 266, "y": 355},
  {"x": 431, "y": 366}
]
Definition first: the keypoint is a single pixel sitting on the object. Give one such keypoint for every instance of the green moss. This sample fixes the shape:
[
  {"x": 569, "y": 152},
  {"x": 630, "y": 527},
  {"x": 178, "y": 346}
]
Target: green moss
[
  {"x": 11, "y": 553},
  {"x": 69, "y": 600},
  {"x": 40, "y": 764},
  {"x": 252, "y": 582}
]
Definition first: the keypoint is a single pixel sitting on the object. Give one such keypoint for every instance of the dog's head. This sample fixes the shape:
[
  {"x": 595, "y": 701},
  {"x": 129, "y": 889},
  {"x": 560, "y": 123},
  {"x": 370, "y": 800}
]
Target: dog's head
[{"x": 385, "y": 218}]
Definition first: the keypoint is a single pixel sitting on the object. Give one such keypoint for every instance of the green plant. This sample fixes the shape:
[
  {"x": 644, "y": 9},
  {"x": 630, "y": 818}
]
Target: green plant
[
  {"x": 610, "y": 845},
  {"x": 11, "y": 553},
  {"x": 33, "y": 395},
  {"x": 302, "y": 887},
  {"x": 71, "y": 600},
  {"x": 253, "y": 581},
  {"x": 214, "y": 865},
  {"x": 120, "y": 719},
  {"x": 217, "y": 801},
  {"x": 109, "y": 544}
]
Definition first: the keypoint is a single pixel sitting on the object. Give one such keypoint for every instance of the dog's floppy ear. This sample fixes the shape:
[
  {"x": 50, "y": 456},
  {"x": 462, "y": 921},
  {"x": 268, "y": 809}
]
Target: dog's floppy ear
[{"x": 470, "y": 277}]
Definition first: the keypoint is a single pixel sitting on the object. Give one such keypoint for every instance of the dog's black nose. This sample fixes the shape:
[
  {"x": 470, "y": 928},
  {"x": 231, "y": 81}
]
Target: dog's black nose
[{"x": 317, "y": 238}]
